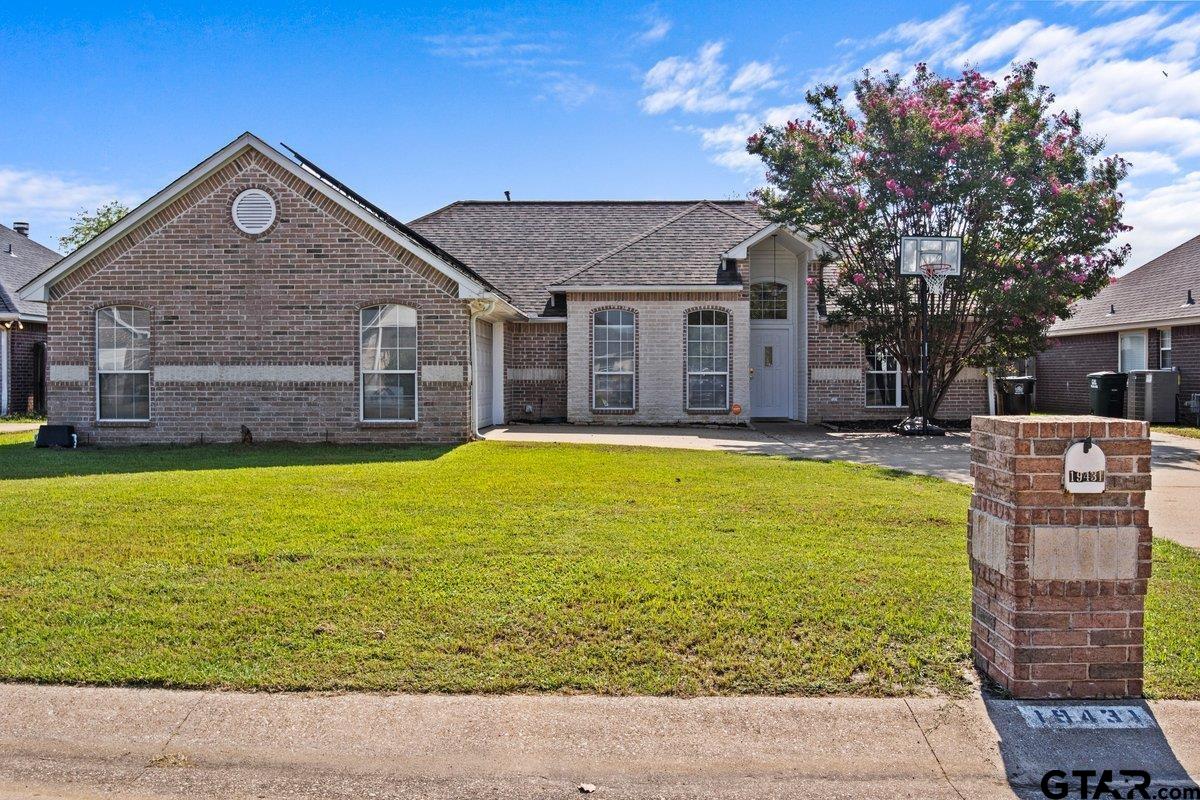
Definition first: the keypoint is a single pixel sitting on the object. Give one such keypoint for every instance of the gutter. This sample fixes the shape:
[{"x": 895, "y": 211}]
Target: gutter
[
  {"x": 478, "y": 309},
  {"x": 1133, "y": 325}
]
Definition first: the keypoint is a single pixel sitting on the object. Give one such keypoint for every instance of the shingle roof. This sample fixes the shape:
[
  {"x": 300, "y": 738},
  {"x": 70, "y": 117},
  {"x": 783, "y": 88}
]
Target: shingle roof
[
  {"x": 685, "y": 249},
  {"x": 1154, "y": 292},
  {"x": 525, "y": 246},
  {"x": 27, "y": 260}
]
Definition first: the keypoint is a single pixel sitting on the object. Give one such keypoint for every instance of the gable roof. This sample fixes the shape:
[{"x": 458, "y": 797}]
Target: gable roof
[
  {"x": 470, "y": 284},
  {"x": 527, "y": 246},
  {"x": 684, "y": 250},
  {"x": 21, "y": 260},
  {"x": 1151, "y": 294}
]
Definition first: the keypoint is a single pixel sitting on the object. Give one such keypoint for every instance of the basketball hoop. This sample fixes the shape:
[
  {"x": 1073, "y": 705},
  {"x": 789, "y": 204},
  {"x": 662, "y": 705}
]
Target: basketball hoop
[{"x": 935, "y": 274}]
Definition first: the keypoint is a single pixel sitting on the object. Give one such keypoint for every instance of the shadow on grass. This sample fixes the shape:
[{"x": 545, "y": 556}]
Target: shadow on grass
[{"x": 19, "y": 459}]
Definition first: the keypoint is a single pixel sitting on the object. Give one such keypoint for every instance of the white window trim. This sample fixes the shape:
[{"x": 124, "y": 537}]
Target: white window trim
[
  {"x": 898, "y": 374},
  {"x": 1165, "y": 334},
  {"x": 1145, "y": 334},
  {"x": 634, "y": 397},
  {"x": 147, "y": 372},
  {"x": 415, "y": 371},
  {"x": 689, "y": 373}
]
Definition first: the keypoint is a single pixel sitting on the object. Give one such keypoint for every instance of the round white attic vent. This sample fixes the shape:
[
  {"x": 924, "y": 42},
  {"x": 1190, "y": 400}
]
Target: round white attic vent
[{"x": 253, "y": 211}]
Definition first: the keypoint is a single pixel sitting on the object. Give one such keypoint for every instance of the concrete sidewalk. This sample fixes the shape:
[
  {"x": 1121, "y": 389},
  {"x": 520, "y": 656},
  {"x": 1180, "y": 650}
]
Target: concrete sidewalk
[{"x": 139, "y": 743}]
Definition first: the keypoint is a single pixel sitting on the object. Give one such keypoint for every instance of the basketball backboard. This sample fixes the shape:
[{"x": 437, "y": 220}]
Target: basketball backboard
[{"x": 919, "y": 252}]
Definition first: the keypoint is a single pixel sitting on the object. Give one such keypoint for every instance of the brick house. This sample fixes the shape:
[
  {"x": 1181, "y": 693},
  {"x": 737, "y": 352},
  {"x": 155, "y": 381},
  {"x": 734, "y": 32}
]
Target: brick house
[
  {"x": 22, "y": 322},
  {"x": 1147, "y": 319},
  {"x": 257, "y": 290}
]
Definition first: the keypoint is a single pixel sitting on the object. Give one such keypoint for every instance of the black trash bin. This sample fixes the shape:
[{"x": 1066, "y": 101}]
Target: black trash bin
[
  {"x": 1016, "y": 394},
  {"x": 1107, "y": 393}
]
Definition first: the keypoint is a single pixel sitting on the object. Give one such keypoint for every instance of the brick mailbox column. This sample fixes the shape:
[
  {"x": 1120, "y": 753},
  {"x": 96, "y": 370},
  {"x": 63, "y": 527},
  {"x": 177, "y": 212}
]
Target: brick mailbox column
[{"x": 1058, "y": 579}]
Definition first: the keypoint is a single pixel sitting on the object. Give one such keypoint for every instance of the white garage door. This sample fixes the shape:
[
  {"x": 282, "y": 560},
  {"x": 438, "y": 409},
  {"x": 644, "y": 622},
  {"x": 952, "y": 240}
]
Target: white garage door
[{"x": 483, "y": 373}]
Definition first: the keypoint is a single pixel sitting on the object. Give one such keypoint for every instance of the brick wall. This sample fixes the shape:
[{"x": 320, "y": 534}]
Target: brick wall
[
  {"x": 24, "y": 392},
  {"x": 283, "y": 307},
  {"x": 1185, "y": 353},
  {"x": 1059, "y": 580},
  {"x": 1062, "y": 370},
  {"x": 837, "y": 366},
  {"x": 660, "y": 380},
  {"x": 535, "y": 371}
]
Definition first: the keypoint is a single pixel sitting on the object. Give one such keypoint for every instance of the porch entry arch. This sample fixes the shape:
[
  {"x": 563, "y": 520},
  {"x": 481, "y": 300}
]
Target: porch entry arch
[{"x": 774, "y": 310}]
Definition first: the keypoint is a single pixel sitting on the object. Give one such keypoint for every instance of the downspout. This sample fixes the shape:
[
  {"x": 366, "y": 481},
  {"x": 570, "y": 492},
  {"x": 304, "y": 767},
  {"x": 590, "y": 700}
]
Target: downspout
[
  {"x": 991, "y": 390},
  {"x": 478, "y": 307}
]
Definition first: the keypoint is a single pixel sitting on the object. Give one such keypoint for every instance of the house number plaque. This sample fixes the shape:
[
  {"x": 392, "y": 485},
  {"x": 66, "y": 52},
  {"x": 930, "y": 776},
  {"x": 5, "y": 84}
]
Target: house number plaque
[{"x": 1083, "y": 468}]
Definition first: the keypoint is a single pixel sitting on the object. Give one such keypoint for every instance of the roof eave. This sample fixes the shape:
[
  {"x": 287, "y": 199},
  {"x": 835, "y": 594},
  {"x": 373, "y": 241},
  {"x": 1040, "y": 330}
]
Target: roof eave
[{"x": 1137, "y": 324}]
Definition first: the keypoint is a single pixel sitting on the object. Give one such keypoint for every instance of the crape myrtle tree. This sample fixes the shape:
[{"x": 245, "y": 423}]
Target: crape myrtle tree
[{"x": 1035, "y": 203}]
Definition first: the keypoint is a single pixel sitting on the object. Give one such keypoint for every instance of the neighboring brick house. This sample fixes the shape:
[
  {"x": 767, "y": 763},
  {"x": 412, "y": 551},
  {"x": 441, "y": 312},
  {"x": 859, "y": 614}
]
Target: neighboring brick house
[
  {"x": 259, "y": 291},
  {"x": 1147, "y": 319},
  {"x": 22, "y": 322}
]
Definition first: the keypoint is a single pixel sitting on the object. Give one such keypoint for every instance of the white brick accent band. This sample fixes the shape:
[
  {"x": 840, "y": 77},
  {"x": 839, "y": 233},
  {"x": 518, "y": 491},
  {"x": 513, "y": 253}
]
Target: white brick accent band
[
  {"x": 536, "y": 374},
  {"x": 253, "y": 373},
  {"x": 68, "y": 373},
  {"x": 442, "y": 373},
  {"x": 835, "y": 374},
  {"x": 989, "y": 540},
  {"x": 1084, "y": 554}
]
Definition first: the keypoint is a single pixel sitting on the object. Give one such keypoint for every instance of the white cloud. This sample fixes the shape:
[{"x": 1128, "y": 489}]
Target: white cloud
[
  {"x": 657, "y": 27},
  {"x": 1164, "y": 217},
  {"x": 539, "y": 61},
  {"x": 1133, "y": 72},
  {"x": 47, "y": 200},
  {"x": 699, "y": 84}
]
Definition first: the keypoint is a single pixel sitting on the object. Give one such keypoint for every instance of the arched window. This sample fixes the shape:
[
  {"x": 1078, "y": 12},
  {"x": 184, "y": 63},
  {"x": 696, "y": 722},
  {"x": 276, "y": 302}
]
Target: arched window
[
  {"x": 768, "y": 300},
  {"x": 707, "y": 360},
  {"x": 388, "y": 359},
  {"x": 123, "y": 364},
  {"x": 613, "y": 348}
]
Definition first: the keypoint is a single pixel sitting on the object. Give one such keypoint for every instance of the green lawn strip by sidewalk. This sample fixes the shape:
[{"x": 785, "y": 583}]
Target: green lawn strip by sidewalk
[
  {"x": 1177, "y": 430},
  {"x": 497, "y": 567}
]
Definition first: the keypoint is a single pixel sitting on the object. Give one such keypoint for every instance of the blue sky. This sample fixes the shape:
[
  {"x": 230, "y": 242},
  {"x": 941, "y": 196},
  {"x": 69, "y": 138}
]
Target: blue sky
[{"x": 419, "y": 105}]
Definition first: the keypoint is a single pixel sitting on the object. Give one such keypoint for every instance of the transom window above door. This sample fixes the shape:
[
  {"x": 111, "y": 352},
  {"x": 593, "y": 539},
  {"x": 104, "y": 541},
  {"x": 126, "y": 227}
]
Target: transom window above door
[{"x": 768, "y": 300}]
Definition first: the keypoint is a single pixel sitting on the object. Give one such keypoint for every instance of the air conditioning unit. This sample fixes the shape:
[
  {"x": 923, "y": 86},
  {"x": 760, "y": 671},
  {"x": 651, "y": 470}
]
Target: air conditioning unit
[{"x": 1152, "y": 395}]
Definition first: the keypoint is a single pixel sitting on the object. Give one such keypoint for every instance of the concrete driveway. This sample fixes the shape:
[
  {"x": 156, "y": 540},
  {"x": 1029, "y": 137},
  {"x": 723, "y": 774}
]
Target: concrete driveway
[{"x": 1174, "y": 502}]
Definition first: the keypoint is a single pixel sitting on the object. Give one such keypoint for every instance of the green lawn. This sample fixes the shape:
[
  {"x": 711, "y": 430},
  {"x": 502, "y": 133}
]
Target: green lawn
[
  {"x": 500, "y": 567},
  {"x": 1179, "y": 430}
]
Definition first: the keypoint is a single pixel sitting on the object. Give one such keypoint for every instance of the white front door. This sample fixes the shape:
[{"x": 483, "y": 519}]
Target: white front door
[
  {"x": 771, "y": 382},
  {"x": 483, "y": 373}
]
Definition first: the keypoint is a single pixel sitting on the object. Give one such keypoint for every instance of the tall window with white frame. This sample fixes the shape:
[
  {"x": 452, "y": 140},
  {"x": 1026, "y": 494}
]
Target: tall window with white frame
[
  {"x": 1164, "y": 349},
  {"x": 708, "y": 360},
  {"x": 388, "y": 360},
  {"x": 885, "y": 382},
  {"x": 613, "y": 360},
  {"x": 1131, "y": 352},
  {"x": 123, "y": 364}
]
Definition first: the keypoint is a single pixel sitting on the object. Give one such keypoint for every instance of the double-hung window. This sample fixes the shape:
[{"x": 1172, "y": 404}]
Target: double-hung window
[
  {"x": 707, "y": 360},
  {"x": 1164, "y": 349},
  {"x": 885, "y": 381},
  {"x": 388, "y": 359},
  {"x": 123, "y": 364},
  {"x": 613, "y": 360}
]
